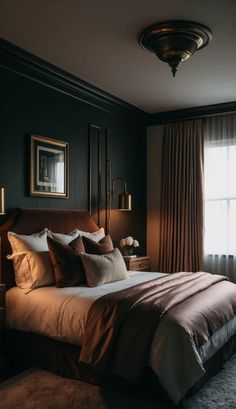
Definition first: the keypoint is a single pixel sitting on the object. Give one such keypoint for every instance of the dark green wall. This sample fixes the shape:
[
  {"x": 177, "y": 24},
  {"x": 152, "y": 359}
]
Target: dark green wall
[{"x": 28, "y": 107}]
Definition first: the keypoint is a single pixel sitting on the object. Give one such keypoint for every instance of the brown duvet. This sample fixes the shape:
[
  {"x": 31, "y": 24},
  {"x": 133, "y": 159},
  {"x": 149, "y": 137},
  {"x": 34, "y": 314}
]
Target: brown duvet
[{"x": 120, "y": 326}]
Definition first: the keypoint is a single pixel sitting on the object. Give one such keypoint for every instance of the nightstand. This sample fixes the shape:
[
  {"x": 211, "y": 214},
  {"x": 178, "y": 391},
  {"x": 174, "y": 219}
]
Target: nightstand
[
  {"x": 138, "y": 263},
  {"x": 2, "y": 323}
]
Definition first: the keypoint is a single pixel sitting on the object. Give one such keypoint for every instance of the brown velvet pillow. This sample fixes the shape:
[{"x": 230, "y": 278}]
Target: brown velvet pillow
[
  {"x": 66, "y": 261},
  {"x": 104, "y": 246}
]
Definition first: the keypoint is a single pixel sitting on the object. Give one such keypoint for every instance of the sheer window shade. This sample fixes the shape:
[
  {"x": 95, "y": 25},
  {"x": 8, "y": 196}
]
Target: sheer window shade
[{"x": 220, "y": 195}]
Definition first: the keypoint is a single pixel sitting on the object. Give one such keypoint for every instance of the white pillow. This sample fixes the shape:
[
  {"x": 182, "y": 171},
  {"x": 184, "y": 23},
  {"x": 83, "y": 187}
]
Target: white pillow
[
  {"x": 64, "y": 238},
  {"x": 67, "y": 238},
  {"x": 34, "y": 242}
]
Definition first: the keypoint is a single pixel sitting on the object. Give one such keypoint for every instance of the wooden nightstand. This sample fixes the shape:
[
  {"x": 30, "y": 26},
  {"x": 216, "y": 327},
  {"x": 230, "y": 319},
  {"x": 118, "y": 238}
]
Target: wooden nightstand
[
  {"x": 138, "y": 263},
  {"x": 2, "y": 323}
]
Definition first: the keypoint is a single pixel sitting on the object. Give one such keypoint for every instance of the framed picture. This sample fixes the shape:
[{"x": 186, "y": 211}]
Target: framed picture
[{"x": 48, "y": 167}]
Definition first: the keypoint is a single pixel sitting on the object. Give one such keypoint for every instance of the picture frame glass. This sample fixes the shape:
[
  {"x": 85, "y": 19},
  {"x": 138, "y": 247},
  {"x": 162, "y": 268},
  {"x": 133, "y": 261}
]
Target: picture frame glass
[{"x": 48, "y": 167}]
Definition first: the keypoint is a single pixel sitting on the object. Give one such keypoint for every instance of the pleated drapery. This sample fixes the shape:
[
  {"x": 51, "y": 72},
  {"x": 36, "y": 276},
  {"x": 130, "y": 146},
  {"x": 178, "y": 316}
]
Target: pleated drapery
[{"x": 181, "y": 227}]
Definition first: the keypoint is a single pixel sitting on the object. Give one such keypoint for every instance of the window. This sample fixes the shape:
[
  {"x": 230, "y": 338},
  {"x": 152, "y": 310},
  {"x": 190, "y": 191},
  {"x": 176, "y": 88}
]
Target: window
[{"x": 220, "y": 197}]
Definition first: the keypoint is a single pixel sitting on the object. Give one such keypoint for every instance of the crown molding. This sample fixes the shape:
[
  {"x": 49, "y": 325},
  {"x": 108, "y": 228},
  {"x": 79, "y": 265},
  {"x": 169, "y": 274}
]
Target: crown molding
[
  {"x": 23, "y": 63},
  {"x": 190, "y": 113},
  {"x": 34, "y": 68}
]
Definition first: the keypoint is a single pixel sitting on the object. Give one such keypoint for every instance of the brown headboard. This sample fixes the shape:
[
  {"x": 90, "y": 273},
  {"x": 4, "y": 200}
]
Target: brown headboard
[{"x": 28, "y": 221}]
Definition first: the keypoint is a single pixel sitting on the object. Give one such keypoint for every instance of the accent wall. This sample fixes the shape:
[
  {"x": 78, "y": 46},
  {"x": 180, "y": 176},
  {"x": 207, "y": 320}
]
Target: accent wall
[{"x": 28, "y": 106}]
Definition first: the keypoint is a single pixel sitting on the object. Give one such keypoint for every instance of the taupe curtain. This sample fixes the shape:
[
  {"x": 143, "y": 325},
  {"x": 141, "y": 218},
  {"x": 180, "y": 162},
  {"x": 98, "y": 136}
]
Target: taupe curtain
[{"x": 181, "y": 228}]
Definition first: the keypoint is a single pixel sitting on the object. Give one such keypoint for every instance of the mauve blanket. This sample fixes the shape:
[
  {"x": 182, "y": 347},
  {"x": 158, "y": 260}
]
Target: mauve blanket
[{"x": 120, "y": 326}]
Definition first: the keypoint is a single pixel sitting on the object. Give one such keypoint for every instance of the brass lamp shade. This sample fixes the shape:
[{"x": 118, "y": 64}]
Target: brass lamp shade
[
  {"x": 125, "y": 201},
  {"x": 2, "y": 200}
]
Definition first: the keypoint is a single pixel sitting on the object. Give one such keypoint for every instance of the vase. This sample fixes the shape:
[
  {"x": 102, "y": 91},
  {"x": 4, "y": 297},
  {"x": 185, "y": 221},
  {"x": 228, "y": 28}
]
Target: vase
[{"x": 128, "y": 250}]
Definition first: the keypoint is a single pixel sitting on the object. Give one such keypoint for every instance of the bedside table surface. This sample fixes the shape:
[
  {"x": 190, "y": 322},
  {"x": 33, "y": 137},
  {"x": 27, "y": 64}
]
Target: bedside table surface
[{"x": 139, "y": 263}]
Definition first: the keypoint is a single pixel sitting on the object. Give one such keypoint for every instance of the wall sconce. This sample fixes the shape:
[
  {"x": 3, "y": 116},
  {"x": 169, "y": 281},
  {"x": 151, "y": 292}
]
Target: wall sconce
[
  {"x": 124, "y": 199},
  {"x": 2, "y": 200}
]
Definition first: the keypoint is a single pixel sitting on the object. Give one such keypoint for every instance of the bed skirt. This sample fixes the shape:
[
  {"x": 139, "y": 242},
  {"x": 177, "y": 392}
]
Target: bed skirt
[{"x": 29, "y": 349}]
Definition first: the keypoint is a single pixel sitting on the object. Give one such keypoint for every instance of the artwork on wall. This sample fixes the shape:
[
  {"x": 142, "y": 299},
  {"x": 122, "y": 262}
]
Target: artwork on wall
[{"x": 48, "y": 167}]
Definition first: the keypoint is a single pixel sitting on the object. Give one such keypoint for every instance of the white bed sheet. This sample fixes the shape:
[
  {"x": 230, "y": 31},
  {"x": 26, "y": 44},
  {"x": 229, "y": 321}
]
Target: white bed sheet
[{"x": 60, "y": 313}]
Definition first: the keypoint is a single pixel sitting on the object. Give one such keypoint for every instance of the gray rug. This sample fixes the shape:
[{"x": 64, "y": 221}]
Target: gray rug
[{"x": 38, "y": 389}]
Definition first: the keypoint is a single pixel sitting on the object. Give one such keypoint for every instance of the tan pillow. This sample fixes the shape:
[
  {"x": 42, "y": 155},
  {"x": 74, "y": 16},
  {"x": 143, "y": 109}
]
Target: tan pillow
[
  {"x": 32, "y": 269},
  {"x": 67, "y": 263},
  {"x": 105, "y": 268},
  {"x": 33, "y": 242},
  {"x": 102, "y": 247},
  {"x": 31, "y": 260}
]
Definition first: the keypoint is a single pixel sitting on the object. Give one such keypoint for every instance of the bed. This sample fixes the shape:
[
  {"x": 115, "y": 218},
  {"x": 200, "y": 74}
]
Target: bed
[{"x": 49, "y": 326}]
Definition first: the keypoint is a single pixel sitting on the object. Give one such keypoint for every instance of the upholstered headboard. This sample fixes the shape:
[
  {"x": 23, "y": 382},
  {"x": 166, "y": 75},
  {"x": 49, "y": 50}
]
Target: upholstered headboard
[{"x": 29, "y": 221}]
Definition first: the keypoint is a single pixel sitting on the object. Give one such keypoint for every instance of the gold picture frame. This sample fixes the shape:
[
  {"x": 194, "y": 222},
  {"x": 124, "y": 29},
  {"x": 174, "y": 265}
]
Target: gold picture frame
[{"x": 48, "y": 167}]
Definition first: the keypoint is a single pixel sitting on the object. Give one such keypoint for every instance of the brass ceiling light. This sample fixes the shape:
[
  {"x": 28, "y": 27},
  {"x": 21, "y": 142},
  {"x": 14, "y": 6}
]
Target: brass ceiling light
[{"x": 175, "y": 41}]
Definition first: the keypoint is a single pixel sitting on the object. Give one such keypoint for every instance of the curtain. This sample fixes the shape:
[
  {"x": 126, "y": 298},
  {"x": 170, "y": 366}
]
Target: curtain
[
  {"x": 181, "y": 227},
  {"x": 220, "y": 195}
]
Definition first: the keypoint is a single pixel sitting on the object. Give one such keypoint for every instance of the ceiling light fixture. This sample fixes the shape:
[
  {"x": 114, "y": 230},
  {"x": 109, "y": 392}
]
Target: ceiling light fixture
[{"x": 175, "y": 41}]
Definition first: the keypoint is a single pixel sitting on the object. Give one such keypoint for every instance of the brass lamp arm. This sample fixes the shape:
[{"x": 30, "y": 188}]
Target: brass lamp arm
[{"x": 113, "y": 185}]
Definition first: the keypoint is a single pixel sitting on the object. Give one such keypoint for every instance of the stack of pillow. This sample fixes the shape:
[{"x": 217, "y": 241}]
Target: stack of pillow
[{"x": 65, "y": 260}]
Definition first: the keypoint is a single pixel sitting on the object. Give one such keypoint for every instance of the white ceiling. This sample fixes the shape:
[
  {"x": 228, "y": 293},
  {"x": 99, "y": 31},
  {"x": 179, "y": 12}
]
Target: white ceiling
[{"x": 97, "y": 41}]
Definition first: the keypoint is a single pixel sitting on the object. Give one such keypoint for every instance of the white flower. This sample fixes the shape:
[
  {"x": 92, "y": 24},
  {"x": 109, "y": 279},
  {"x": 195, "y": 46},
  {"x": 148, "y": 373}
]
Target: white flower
[
  {"x": 129, "y": 241},
  {"x": 122, "y": 243},
  {"x": 136, "y": 243}
]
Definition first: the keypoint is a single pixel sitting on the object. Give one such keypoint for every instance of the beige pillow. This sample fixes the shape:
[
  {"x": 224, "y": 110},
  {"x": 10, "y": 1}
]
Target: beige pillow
[
  {"x": 34, "y": 242},
  {"x": 31, "y": 260},
  {"x": 105, "y": 268},
  {"x": 32, "y": 269}
]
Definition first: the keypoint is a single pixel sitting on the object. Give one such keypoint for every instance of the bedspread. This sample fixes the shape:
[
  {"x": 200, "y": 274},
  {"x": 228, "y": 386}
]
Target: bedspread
[{"x": 120, "y": 328}]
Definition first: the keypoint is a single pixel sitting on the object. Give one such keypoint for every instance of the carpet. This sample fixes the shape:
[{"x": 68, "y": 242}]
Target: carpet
[{"x": 39, "y": 389}]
